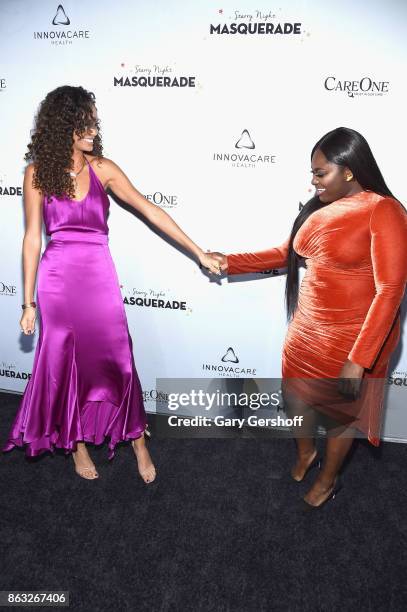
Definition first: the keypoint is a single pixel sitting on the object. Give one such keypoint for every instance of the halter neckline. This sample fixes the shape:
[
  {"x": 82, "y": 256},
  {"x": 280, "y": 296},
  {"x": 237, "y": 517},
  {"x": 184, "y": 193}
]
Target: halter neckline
[{"x": 90, "y": 185}]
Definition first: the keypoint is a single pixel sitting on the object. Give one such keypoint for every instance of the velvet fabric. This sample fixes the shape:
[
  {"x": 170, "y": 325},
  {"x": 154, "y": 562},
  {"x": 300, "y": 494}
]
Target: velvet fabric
[
  {"x": 84, "y": 385},
  {"x": 355, "y": 252}
]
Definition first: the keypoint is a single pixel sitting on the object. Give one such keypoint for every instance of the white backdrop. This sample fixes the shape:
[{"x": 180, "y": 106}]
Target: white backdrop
[{"x": 178, "y": 146}]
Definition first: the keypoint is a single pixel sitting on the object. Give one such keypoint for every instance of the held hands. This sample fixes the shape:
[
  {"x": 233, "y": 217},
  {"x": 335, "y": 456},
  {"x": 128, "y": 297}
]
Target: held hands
[
  {"x": 212, "y": 263},
  {"x": 221, "y": 259},
  {"x": 350, "y": 379},
  {"x": 27, "y": 321}
]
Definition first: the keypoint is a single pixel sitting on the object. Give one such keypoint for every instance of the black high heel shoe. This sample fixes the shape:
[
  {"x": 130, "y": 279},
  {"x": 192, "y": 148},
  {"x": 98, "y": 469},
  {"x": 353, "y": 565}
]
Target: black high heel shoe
[
  {"x": 316, "y": 462},
  {"x": 305, "y": 506}
]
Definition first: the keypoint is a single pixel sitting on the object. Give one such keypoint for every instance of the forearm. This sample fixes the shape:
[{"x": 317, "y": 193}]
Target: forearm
[
  {"x": 376, "y": 327},
  {"x": 166, "y": 224},
  {"x": 31, "y": 255},
  {"x": 258, "y": 262}
]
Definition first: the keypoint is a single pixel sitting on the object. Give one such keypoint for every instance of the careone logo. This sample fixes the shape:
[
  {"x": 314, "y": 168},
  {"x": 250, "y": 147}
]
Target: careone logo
[
  {"x": 254, "y": 22},
  {"x": 366, "y": 86},
  {"x": 154, "y": 395},
  {"x": 9, "y": 370},
  {"x": 153, "y": 76},
  {"x": 244, "y": 157},
  {"x": 62, "y": 35},
  {"x": 162, "y": 200},
  {"x": 151, "y": 298},
  {"x": 7, "y": 289},
  {"x": 3, "y": 85},
  {"x": 228, "y": 367}
]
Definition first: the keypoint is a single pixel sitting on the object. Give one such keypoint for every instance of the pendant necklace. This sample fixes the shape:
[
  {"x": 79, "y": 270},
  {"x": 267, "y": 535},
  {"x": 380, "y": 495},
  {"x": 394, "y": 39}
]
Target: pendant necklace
[{"x": 73, "y": 174}]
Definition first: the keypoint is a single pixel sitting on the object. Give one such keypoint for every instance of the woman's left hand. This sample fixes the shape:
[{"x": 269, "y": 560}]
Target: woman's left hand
[
  {"x": 350, "y": 379},
  {"x": 210, "y": 262}
]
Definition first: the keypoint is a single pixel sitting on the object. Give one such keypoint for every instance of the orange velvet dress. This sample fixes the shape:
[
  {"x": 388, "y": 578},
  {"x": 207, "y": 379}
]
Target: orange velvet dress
[{"x": 355, "y": 252}]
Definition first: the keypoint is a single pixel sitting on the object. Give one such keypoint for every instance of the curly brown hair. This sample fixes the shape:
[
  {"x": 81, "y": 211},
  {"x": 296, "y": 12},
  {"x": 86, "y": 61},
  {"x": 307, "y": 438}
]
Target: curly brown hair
[{"x": 63, "y": 111}]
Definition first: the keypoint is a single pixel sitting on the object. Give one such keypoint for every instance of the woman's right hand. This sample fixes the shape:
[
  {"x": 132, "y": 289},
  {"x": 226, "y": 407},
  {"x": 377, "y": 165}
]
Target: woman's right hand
[
  {"x": 222, "y": 259},
  {"x": 27, "y": 321}
]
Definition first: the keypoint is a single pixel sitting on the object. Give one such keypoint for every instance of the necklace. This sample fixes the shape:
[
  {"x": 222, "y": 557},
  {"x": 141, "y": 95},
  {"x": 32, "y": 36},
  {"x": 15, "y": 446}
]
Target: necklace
[{"x": 75, "y": 174}]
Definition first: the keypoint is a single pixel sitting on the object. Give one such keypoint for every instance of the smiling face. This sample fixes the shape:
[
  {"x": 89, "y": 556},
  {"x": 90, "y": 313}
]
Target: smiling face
[
  {"x": 332, "y": 182},
  {"x": 85, "y": 141}
]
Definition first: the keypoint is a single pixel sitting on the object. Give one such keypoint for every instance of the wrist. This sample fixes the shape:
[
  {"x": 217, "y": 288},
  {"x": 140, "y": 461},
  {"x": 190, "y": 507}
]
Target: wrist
[
  {"x": 198, "y": 252},
  {"x": 355, "y": 363},
  {"x": 28, "y": 305},
  {"x": 356, "y": 368}
]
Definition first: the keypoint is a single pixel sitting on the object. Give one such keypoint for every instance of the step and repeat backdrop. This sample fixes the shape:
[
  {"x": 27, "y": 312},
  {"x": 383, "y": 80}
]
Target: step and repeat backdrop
[{"x": 211, "y": 109}]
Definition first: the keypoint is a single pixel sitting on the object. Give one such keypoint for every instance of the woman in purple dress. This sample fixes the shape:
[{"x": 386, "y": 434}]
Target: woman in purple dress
[{"x": 84, "y": 386}]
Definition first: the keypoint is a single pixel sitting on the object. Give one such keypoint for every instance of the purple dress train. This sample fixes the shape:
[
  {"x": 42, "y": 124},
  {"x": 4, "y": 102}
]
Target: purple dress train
[{"x": 84, "y": 385}]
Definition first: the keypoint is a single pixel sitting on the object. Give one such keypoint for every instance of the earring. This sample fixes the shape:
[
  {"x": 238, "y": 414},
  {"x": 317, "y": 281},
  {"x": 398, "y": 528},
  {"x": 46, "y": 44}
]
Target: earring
[{"x": 349, "y": 177}]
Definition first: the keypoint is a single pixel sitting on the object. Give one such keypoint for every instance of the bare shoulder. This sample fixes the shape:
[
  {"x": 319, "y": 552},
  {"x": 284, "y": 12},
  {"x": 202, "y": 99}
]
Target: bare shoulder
[
  {"x": 29, "y": 175},
  {"x": 104, "y": 167},
  {"x": 104, "y": 164},
  {"x": 29, "y": 171}
]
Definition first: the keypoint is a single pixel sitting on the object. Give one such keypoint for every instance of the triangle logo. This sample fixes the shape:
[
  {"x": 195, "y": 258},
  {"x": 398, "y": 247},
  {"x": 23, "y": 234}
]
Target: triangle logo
[
  {"x": 245, "y": 141},
  {"x": 61, "y": 17},
  {"x": 230, "y": 356}
]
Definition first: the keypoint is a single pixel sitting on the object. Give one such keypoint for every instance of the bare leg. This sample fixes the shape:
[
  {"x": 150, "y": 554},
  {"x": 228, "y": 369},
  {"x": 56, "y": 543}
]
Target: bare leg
[
  {"x": 145, "y": 465},
  {"x": 306, "y": 451},
  {"x": 84, "y": 465},
  {"x": 336, "y": 450}
]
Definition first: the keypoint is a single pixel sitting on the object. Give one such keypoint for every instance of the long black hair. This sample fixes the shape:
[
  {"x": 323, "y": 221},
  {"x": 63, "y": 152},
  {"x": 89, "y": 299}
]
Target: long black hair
[{"x": 347, "y": 148}]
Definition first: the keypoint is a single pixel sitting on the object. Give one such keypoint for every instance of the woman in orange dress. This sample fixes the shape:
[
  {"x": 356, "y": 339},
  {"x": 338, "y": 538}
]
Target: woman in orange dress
[{"x": 344, "y": 318}]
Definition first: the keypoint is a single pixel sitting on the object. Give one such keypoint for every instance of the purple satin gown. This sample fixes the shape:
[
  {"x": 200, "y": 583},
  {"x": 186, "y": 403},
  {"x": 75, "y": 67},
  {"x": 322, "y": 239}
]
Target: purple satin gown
[{"x": 84, "y": 385}]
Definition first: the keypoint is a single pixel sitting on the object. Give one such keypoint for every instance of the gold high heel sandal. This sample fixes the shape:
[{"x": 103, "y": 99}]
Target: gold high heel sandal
[
  {"x": 84, "y": 470},
  {"x": 149, "y": 473}
]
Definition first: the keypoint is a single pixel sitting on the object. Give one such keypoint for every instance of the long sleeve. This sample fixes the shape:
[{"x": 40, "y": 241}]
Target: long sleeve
[
  {"x": 388, "y": 228},
  {"x": 258, "y": 262}
]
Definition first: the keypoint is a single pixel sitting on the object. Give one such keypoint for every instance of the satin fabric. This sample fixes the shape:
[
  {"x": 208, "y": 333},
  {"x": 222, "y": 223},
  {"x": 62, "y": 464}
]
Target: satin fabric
[
  {"x": 84, "y": 385},
  {"x": 355, "y": 252}
]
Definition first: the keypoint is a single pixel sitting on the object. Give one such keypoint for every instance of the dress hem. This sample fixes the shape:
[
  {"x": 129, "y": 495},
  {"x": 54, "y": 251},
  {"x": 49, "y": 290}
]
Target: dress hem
[{"x": 53, "y": 444}]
